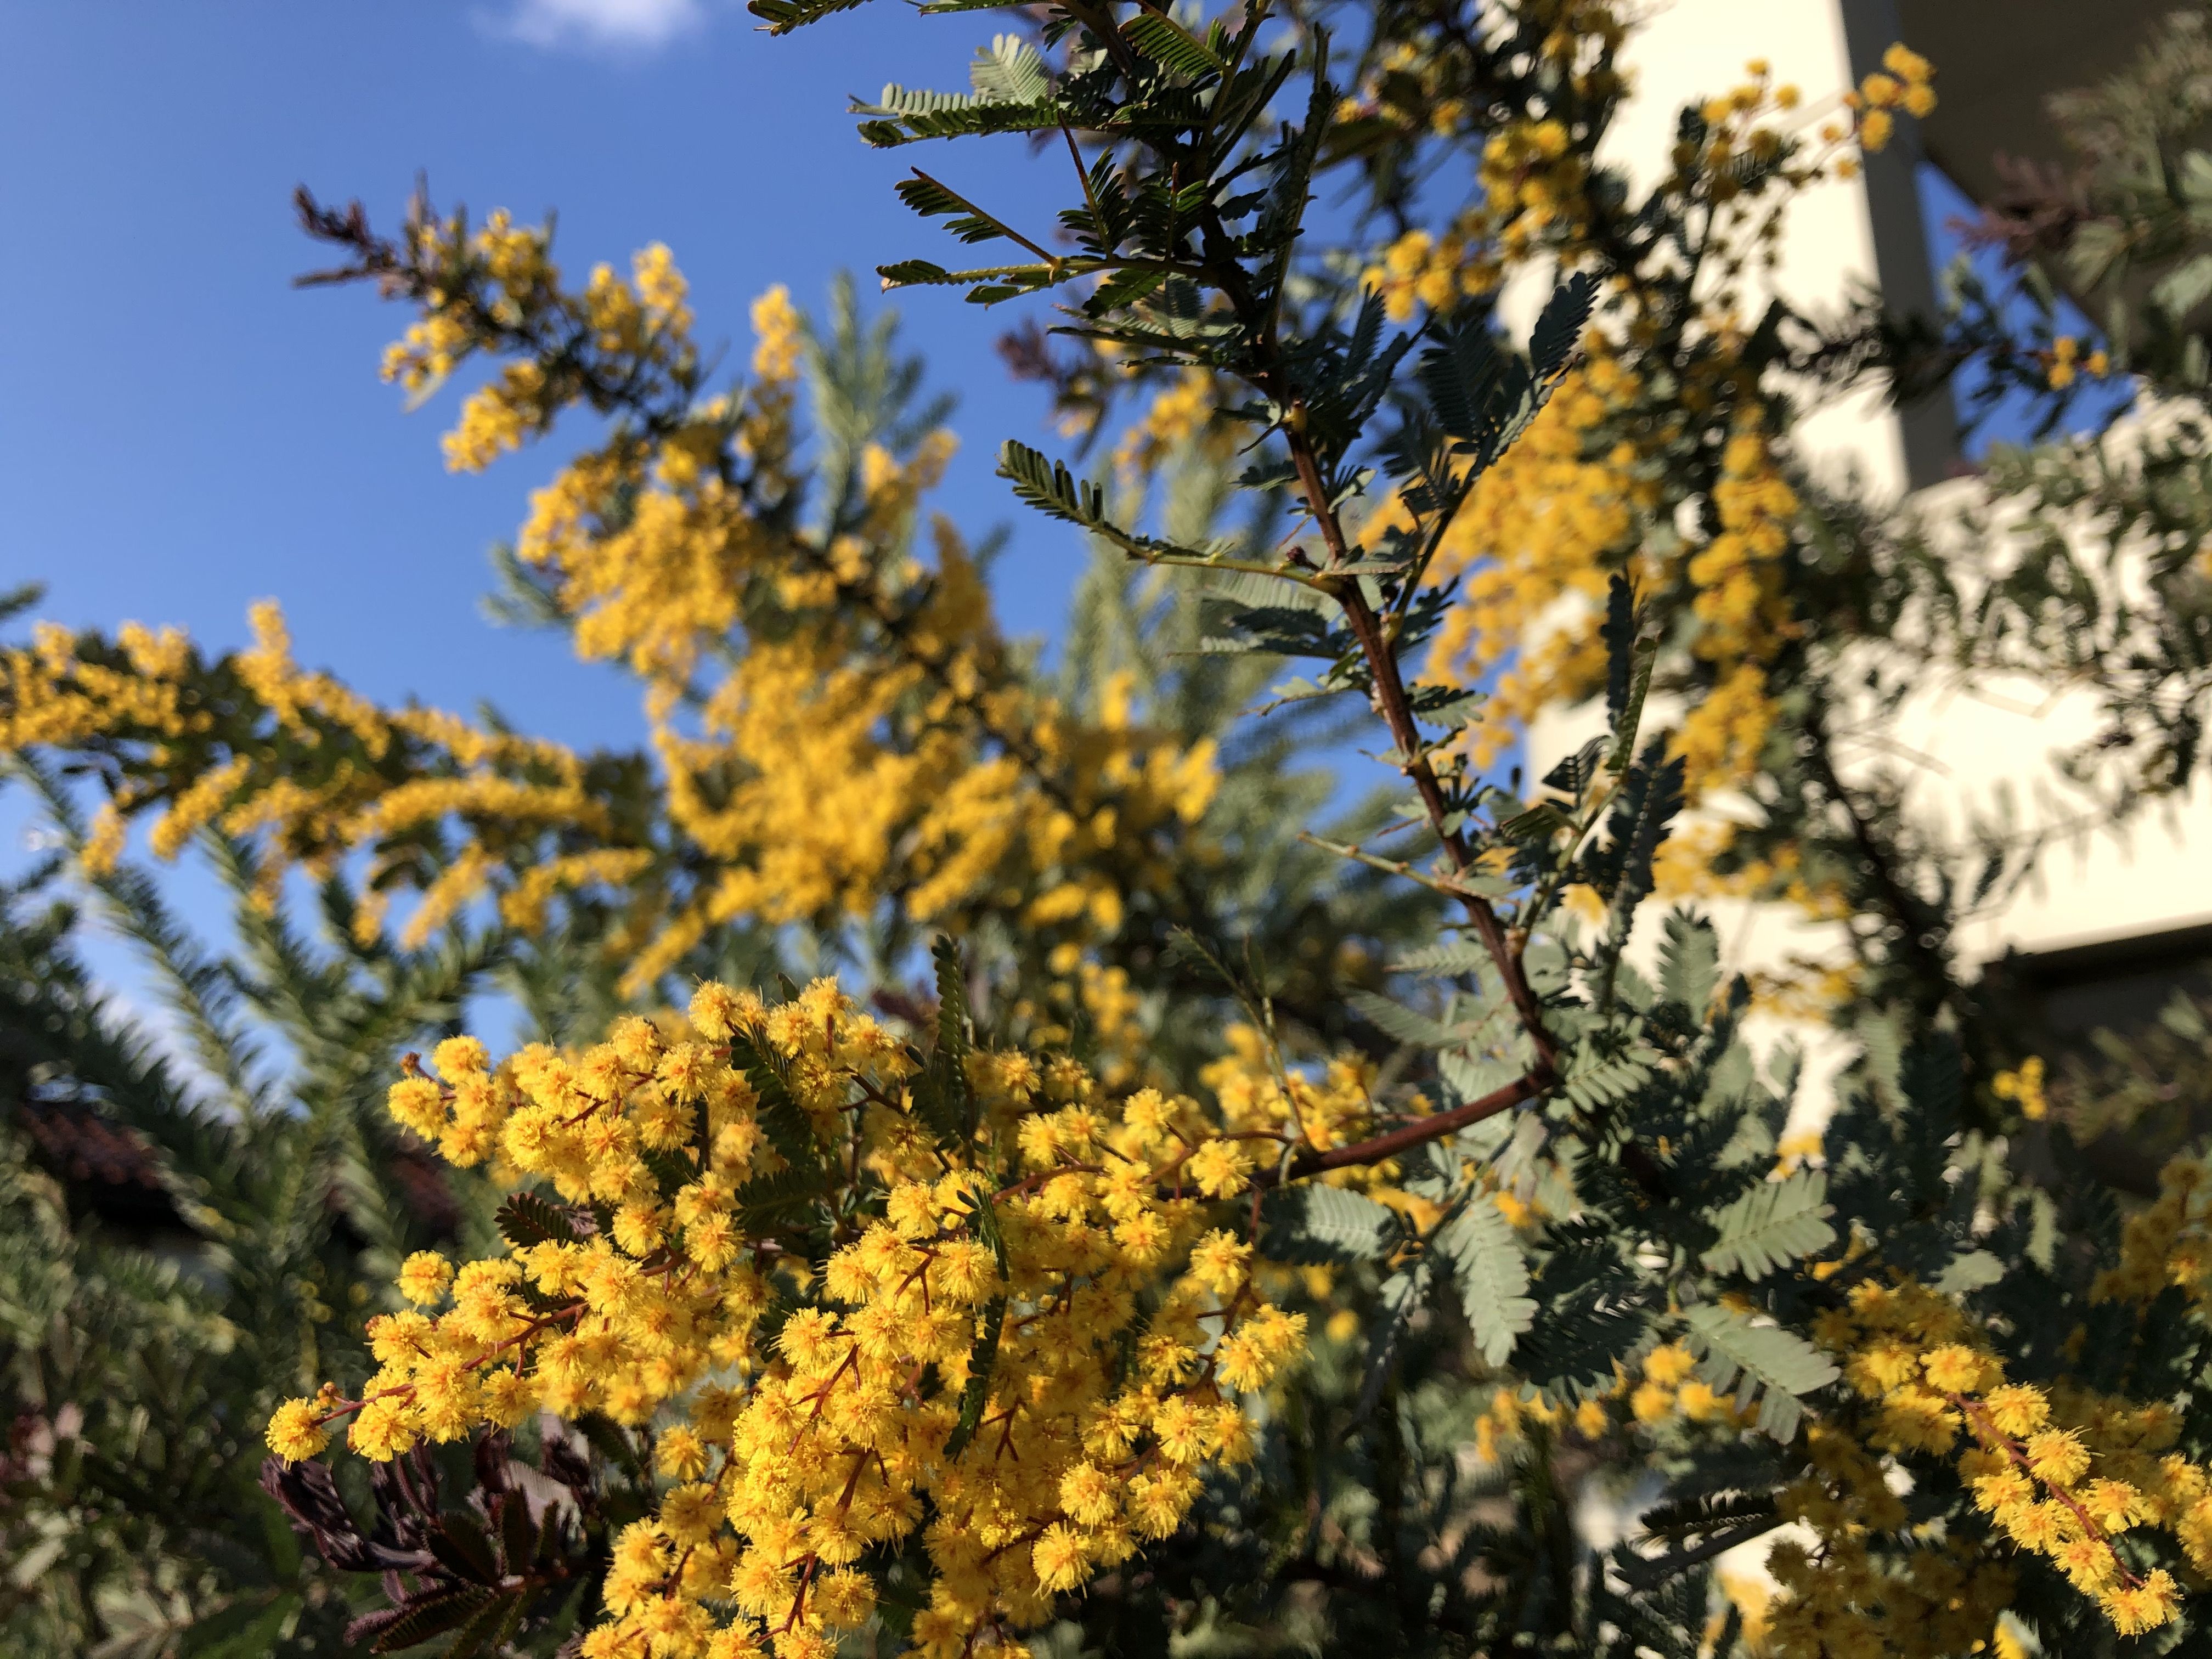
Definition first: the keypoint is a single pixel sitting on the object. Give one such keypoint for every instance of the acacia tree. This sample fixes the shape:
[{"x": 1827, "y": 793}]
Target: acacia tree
[{"x": 1239, "y": 1237}]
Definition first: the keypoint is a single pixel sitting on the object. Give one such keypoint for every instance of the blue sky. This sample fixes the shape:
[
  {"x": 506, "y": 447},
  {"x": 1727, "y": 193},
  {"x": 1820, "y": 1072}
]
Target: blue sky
[{"x": 183, "y": 432}]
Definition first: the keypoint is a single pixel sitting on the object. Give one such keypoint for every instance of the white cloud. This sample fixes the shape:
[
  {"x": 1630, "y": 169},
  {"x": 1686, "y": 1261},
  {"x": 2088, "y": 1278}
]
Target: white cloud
[{"x": 638, "y": 25}]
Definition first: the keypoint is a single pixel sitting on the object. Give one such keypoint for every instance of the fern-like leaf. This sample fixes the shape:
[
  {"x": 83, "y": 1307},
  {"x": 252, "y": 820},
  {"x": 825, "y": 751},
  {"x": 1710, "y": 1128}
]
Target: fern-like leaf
[
  {"x": 1490, "y": 1274},
  {"x": 1313, "y": 1226},
  {"x": 1773, "y": 1224},
  {"x": 1768, "y": 1361}
]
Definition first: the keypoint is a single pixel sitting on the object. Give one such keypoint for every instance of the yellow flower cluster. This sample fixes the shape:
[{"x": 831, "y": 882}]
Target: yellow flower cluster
[
  {"x": 319, "y": 772},
  {"x": 1568, "y": 505},
  {"x": 1577, "y": 498},
  {"x": 1421, "y": 269},
  {"x": 1415, "y": 88},
  {"x": 1736, "y": 587},
  {"x": 517, "y": 286},
  {"x": 1668, "y": 1391},
  {"x": 1532, "y": 174},
  {"x": 838, "y": 724},
  {"x": 2024, "y": 1088},
  {"x": 2058, "y": 1470},
  {"x": 1661, "y": 1393},
  {"x": 1532, "y": 183},
  {"x": 1179, "y": 417},
  {"x": 1837, "y": 1601},
  {"x": 1510, "y": 1415},
  {"x": 967, "y": 1368},
  {"x": 2168, "y": 1242},
  {"x": 1536, "y": 543},
  {"x": 823, "y": 773},
  {"x": 1325, "y": 1110},
  {"x": 51, "y": 695},
  {"x": 2067, "y": 363},
  {"x": 1902, "y": 82}
]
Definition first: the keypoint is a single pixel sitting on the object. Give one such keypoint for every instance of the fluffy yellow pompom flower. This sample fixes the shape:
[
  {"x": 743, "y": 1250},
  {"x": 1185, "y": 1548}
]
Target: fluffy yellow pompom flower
[
  {"x": 295, "y": 1431},
  {"x": 2057, "y": 1455},
  {"x": 1058, "y": 1557},
  {"x": 424, "y": 1278}
]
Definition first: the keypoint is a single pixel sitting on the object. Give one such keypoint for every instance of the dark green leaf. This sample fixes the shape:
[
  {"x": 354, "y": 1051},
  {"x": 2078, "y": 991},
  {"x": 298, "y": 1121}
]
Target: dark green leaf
[
  {"x": 432, "y": 1615},
  {"x": 1773, "y": 1224},
  {"x": 1312, "y": 1224}
]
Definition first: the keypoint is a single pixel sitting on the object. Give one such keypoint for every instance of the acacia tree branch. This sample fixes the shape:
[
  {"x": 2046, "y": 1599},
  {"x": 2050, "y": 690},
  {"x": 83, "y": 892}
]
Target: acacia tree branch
[
  {"x": 1419, "y": 1132},
  {"x": 1390, "y": 701}
]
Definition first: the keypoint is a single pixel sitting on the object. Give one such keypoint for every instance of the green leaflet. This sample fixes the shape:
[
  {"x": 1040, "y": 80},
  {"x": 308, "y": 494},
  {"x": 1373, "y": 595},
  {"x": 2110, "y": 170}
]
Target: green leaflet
[
  {"x": 1452, "y": 957},
  {"x": 1166, "y": 43},
  {"x": 1763, "y": 1358},
  {"x": 1402, "y": 1024},
  {"x": 247, "y": 1629},
  {"x": 1607, "y": 1083},
  {"x": 433, "y": 1616},
  {"x": 526, "y": 1219},
  {"x": 1048, "y": 486},
  {"x": 1490, "y": 1273},
  {"x": 1689, "y": 962},
  {"x": 976, "y": 1395},
  {"x": 1970, "y": 1271},
  {"x": 1402, "y": 1293},
  {"x": 963, "y": 119},
  {"x": 942, "y": 1094},
  {"x": 1770, "y": 1224},
  {"x": 1312, "y": 1224},
  {"x": 1559, "y": 329}
]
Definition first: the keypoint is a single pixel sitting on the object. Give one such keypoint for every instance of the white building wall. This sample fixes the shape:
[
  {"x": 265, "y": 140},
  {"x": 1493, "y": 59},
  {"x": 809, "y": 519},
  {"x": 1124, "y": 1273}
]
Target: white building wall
[{"x": 1968, "y": 743}]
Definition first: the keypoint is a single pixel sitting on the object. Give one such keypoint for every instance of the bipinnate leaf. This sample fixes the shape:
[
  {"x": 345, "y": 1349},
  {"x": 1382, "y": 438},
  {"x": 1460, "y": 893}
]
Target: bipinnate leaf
[
  {"x": 463, "y": 1548},
  {"x": 1402, "y": 1024},
  {"x": 977, "y": 1395},
  {"x": 526, "y": 1219},
  {"x": 782, "y": 16},
  {"x": 1677, "y": 1521},
  {"x": 1770, "y": 1224},
  {"x": 1689, "y": 962},
  {"x": 488, "y": 1629},
  {"x": 1968, "y": 1272},
  {"x": 1490, "y": 1274},
  {"x": 1761, "y": 1360},
  {"x": 944, "y": 1093},
  {"x": 1402, "y": 1293},
  {"x": 1049, "y": 487},
  {"x": 247, "y": 1629},
  {"x": 1166, "y": 42},
  {"x": 1313, "y": 1224},
  {"x": 431, "y": 1615},
  {"x": 1560, "y": 326}
]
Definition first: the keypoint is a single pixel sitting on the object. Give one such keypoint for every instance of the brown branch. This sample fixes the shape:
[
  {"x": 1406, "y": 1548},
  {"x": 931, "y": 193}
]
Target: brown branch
[
  {"x": 1391, "y": 702},
  {"x": 1419, "y": 1132}
]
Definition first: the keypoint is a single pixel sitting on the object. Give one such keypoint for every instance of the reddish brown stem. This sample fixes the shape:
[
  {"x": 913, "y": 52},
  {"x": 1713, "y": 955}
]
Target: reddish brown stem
[
  {"x": 1404, "y": 1139},
  {"x": 1388, "y": 693}
]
